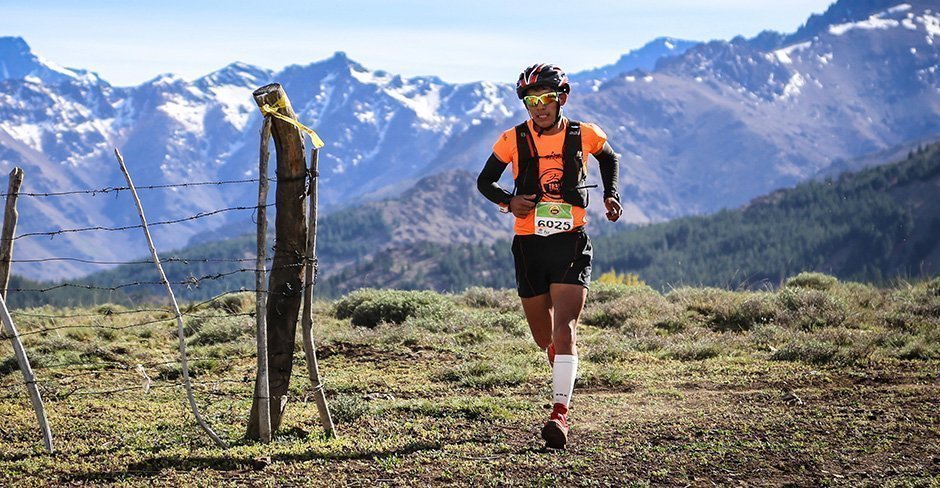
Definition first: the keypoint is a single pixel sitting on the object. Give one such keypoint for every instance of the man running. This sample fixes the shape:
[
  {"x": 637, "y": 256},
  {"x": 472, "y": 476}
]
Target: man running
[{"x": 552, "y": 253}]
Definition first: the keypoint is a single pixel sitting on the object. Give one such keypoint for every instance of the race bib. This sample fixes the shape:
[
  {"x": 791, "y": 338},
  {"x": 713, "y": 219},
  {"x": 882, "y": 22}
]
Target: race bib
[{"x": 553, "y": 218}]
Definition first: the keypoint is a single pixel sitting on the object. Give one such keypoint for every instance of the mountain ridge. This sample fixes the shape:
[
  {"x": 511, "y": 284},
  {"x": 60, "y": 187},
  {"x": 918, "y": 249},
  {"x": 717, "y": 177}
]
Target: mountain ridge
[{"x": 752, "y": 115}]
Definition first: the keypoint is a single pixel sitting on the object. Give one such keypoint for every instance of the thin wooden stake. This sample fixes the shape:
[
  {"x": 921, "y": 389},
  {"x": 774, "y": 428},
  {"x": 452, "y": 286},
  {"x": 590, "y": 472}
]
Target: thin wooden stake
[
  {"x": 10, "y": 216},
  {"x": 28, "y": 377},
  {"x": 310, "y": 280},
  {"x": 262, "y": 386},
  {"x": 179, "y": 316}
]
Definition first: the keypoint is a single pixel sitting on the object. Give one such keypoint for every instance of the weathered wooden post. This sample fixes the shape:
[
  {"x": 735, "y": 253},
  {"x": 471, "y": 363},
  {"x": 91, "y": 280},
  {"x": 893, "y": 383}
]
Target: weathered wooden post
[
  {"x": 310, "y": 276},
  {"x": 262, "y": 388},
  {"x": 285, "y": 285},
  {"x": 10, "y": 217},
  {"x": 10, "y": 329}
]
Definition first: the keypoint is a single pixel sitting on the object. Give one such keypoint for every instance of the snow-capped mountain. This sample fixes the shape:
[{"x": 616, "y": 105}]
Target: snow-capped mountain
[
  {"x": 644, "y": 58},
  {"x": 708, "y": 127},
  {"x": 727, "y": 121}
]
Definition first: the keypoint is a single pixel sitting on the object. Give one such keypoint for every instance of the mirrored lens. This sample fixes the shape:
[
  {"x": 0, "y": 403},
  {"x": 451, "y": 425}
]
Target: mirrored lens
[{"x": 545, "y": 98}]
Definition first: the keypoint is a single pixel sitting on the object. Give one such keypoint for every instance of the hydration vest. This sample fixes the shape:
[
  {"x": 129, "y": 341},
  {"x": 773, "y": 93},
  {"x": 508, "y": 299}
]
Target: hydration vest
[{"x": 573, "y": 173}]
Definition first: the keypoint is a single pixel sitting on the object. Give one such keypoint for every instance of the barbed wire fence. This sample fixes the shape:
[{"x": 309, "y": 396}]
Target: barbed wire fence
[
  {"x": 117, "y": 373},
  {"x": 62, "y": 370}
]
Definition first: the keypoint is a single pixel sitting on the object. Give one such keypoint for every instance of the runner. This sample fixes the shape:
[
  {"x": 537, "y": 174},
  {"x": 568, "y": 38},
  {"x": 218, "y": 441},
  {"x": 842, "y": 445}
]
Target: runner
[{"x": 552, "y": 253}]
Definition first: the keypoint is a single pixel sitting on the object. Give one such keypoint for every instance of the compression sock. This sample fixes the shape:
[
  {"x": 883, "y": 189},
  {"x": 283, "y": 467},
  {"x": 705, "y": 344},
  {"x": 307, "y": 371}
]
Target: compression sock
[{"x": 563, "y": 375}]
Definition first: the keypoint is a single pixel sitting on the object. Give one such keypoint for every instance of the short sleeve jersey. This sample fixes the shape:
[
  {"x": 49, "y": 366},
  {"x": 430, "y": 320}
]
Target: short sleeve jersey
[{"x": 549, "y": 148}]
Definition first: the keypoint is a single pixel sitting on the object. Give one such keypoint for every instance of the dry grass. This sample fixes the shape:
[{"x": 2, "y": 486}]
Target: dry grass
[{"x": 819, "y": 383}]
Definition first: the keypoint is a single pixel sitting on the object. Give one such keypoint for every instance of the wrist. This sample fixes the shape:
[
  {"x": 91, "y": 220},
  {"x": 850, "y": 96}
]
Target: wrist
[
  {"x": 612, "y": 194},
  {"x": 504, "y": 204}
]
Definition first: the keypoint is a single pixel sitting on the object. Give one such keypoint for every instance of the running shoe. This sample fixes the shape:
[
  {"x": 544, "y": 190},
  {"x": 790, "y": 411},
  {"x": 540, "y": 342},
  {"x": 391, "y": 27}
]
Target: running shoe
[{"x": 555, "y": 431}]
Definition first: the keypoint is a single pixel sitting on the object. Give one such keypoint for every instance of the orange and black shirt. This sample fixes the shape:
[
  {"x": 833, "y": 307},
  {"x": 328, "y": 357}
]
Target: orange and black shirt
[{"x": 549, "y": 148}]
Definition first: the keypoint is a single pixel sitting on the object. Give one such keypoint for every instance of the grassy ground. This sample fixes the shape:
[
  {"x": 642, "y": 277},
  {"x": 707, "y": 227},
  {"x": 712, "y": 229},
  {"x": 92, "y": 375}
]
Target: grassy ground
[{"x": 819, "y": 383}]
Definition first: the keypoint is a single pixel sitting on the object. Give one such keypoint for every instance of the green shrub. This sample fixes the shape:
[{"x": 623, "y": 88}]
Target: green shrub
[
  {"x": 234, "y": 303},
  {"x": 370, "y": 307},
  {"x": 635, "y": 307},
  {"x": 510, "y": 322},
  {"x": 605, "y": 292},
  {"x": 707, "y": 302},
  {"x": 861, "y": 295},
  {"x": 744, "y": 311},
  {"x": 914, "y": 307},
  {"x": 472, "y": 335},
  {"x": 675, "y": 322},
  {"x": 812, "y": 280},
  {"x": 809, "y": 309},
  {"x": 906, "y": 345},
  {"x": 933, "y": 287},
  {"x": 768, "y": 337},
  {"x": 347, "y": 408},
  {"x": 223, "y": 329},
  {"x": 919, "y": 349},
  {"x": 480, "y": 297},
  {"x": 723, "y": 310}
]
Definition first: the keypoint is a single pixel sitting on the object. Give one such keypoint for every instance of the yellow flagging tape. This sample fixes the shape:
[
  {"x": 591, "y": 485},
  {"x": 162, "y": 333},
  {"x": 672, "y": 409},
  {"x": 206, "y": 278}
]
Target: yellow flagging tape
[{"x": 267, "y": 109}]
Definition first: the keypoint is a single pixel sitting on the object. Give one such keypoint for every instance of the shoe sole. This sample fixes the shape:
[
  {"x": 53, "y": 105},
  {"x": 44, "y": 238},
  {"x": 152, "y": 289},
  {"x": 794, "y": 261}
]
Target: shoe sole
[{"x": 554, "y": 436}]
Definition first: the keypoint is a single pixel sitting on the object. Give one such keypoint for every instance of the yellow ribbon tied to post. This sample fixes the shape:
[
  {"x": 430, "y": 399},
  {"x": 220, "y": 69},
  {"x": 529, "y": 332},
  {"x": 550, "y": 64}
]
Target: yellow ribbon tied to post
[{"x": 272, "y": 110}]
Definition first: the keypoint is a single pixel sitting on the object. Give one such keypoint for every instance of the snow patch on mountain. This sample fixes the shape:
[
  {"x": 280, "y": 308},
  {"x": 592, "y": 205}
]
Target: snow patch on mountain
[
  {"x": 425, "y": 105},
  {"x": 784, "y": 54},
  {"x": 793, "y": 87},
  {"x": 889, "y": 19},
  {"x": 187, "y": 113},
  {"x": 26, "y": 133},
  {"x": 931, "y": 24},
  {"x": 237, "y": 104}
]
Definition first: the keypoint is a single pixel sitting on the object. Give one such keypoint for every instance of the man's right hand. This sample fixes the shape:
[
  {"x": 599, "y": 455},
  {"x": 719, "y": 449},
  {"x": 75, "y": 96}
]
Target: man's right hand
[{"x": 522, "y": 205}]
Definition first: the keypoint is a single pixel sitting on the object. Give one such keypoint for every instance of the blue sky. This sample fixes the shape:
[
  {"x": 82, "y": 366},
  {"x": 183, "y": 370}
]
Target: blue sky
[{"x": 129, "y": 41}]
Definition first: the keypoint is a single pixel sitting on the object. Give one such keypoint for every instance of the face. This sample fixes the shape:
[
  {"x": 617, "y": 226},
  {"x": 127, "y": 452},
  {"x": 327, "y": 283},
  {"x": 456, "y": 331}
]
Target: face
[{"x": 544, "y": 114}]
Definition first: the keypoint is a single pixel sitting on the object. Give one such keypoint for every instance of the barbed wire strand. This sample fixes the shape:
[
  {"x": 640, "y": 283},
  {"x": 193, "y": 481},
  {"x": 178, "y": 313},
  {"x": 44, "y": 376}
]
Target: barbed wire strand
[
  {"x": 116, "y": 189},
  {"x": 190, "y": 282},
  {"x": 200, "y": 215},
  {"x": 123, "y": 369},
  {"x": 121, "y": 263}
]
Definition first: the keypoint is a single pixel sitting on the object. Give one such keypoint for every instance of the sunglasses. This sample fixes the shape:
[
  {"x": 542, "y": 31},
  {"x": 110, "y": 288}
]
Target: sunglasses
[{"x": 545, "y": 99}]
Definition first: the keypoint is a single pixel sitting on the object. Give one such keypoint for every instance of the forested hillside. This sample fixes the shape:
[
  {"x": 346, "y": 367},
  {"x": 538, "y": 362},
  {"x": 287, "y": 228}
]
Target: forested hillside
[{"x": 875, "y": 225}]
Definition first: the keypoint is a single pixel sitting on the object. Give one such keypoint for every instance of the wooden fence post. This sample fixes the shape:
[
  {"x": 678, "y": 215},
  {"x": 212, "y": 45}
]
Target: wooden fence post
[
  {"x": 285, "y": 286},
  {"x": 262, "y": 387},
  {"x": 28, "y": 377},
  {"x": 10, "y": 217},
  {"x": 310, "y": 277}
]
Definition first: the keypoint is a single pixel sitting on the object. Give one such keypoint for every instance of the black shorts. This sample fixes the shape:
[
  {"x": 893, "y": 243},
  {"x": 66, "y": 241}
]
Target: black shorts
[{"x": 558, "y": 258}]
